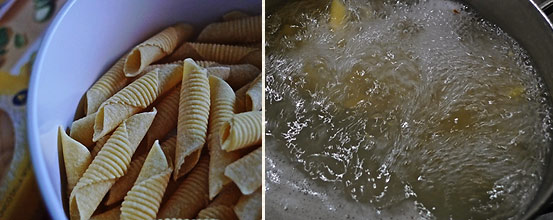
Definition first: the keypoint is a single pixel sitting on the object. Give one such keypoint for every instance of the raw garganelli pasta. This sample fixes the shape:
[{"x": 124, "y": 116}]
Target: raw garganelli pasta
[
  {"x": 241, "y": 131},
  {"x": 137, "y": 151}
]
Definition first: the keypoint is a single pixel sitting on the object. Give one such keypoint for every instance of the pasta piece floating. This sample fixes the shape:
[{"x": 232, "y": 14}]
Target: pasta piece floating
[
  {"x": 233, "y": 15},
  {"x": 193, "y": 113},
  {"x": 125, "y": 183},
  {"x": 337, "y": 14},
  {"x": 76, "y": 159},
  {"x": 156, "y": 47},
  {"x": 111, "y": 82},
  {"x": 191, "y": 195},
  {"x": 167, "y": 112},
  {"x": 246, "y": 172},
  {"x": 112, "y": 214},
  {"x": 83, "y": 129},
  {"x": 110, "y": 164},
  {"x": 249, "y": 206},
  {"x": 135, "y": 98},
  {"x": 222, "y": 102},
  {"x": 245, "y": 30},
  {"x": 144, "y": 199},
  {"x": 223, "y": 54},
  {"x": 243, "y": 130},
  {"x": 254, "y": 100}
]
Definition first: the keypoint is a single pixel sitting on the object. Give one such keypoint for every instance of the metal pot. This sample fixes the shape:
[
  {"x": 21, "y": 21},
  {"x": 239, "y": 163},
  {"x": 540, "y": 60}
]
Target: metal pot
[
  {"x": 530, "y": 26},
  {"x": 528, "y": 23}
]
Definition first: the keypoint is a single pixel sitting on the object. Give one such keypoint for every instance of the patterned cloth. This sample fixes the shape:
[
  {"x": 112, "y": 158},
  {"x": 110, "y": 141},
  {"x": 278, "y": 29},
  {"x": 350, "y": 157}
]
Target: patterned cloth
[{"x": 22, "y": 25}]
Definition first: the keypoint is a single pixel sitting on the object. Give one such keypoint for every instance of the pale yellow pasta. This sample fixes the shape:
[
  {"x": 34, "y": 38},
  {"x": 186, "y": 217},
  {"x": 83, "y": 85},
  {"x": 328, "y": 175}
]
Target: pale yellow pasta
[
  {"x": 112, "y": 214},
  {"x": 190, "y": 162},
  {"x": 167, "y": 112},
  {"x": 223, "y": 54},
  {"x": 82, "y": 130},
  {"x": 246, "y": 172},
  {"x": 191, "y": 195},
  {"x": 76, "y": 158},
  {"x": 111, "y": 82},
  {"x": 237, "y": 75},
  {"x": 217, "y": 212},
  {"x": 109, "y": 165},
  {"x": 98, "y": 146},
  {"x": 249, "y": 206},
  {"x": 125, "y": 183},
  {"x": 156, "y": 47},
  {"x": 134, "y": 98},
  {"x": 233, "y": 15},
  {"x": 254, "y": 100},
  {"x": 221, "y": 206},
  {"x": 168, "y": 146},
  {"x": 254, "y": 58},
  {"x": 222, "y": 72},
  {"x": 202, "y": 63},
  {"x": 244, "y": 30},
  {"x": 144, "y": 199},
  {"x": 228, "y": 196},
  {"x": 241, "y": 75},
  {"x": 337, "y": 14},
  {"x": 240, "y": 103},
  {"x": 193, "y": 113},
  {"x": 252, "y": 45},
  {"x": 222, "y": 102},
  {"x": 243, "y": 130}
]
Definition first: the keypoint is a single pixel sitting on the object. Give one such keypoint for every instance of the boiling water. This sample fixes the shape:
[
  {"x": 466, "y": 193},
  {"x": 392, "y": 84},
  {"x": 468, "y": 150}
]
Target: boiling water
[{"x": 420, "y": 101}]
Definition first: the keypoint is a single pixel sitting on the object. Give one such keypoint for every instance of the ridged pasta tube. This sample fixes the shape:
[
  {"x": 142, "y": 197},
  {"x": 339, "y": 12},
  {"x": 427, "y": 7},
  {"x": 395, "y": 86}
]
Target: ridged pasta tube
[
  {"x": 220, "y": 53},
  {"x": 249, "y": 206},
  {"x": 191, "y": 195},
  {"x": 221, "y": 206},
  {"x": 156, "y": 47},
  {"x": 241, "y": 75},
  {"x": 246, "y": 172},
  {"x": 134, "y": 98},
  {"x": 167, "y": 111},
  {"x": 125, "y": 183},
  {"x": 112, "y": 214},
  {"x": 243, "y": 130},
  {"x": 110, "y": 164},
  {"x": 222, "y": 104},
  {"x": 98, "y": 146},
  {"x": 144, "y": 199},
  {"x": 244, "y": 30},
  {"x": 76, "y": 158},
  {"x": 193, "y": 113},
  {"x": 82, "y": 130},
  {"x": 254, "y": 100},
  {"x": 110, "y": 83},
  {"x": 233, "y": 15}
]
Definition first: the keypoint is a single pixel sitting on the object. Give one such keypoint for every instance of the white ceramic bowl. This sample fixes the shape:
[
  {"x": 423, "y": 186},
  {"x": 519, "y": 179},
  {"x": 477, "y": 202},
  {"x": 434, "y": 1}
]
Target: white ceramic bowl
[{"x": 85, "y": 39}]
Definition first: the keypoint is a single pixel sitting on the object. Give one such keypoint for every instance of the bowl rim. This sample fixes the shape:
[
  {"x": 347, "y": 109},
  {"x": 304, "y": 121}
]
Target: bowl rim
[{"x": 55, "y": 207}]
